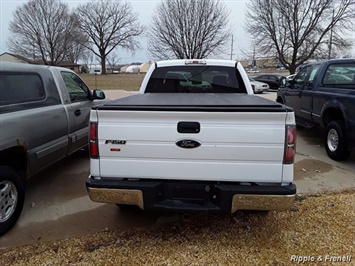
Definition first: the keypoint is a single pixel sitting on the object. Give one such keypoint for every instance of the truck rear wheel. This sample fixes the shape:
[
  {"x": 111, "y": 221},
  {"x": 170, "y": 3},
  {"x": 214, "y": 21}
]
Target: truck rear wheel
[
  {"x": 335, "y": 141},
  {"x": 12, "y": 196}
]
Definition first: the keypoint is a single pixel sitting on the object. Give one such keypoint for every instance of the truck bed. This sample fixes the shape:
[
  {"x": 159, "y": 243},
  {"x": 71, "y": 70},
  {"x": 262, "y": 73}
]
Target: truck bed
[{"x": 205, "y": 102}]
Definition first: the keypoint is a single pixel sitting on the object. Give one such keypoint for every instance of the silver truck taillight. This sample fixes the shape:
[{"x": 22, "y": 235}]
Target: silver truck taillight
[
  {"x": 290, "y": 145},
  {"x": 93, "y": 145}
]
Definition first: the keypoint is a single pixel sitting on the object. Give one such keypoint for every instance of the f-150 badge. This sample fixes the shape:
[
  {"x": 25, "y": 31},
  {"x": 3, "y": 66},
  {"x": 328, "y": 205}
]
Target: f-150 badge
[
  {"x": 188, "y": 143},
  {"x": 114, "y": 141}
]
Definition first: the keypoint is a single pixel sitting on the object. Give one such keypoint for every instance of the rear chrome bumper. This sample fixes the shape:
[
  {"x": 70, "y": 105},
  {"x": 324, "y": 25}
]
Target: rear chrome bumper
[
  {"x": 117, "y": 196},
  {"x": 262, "y": 202},
  {"x": 183, "y": 196}
]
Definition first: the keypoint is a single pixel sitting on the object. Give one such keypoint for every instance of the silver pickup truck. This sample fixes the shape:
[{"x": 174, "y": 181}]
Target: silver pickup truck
[{"x": 44, "y": 116}]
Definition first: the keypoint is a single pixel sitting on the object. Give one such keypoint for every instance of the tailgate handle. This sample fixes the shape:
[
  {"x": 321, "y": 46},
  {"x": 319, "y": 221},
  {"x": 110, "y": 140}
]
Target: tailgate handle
[{"x": 188, "y": 127}]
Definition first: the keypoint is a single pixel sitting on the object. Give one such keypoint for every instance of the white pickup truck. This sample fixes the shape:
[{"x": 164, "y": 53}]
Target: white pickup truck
[{"x": 195, "y": 139}]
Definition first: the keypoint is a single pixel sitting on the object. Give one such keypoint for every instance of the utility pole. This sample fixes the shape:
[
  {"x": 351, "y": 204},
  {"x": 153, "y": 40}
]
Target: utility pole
[
  {"x": 232, "y": 49},
  {"x": 254, "y": 61},
  {"x": 331, "y": 41}
]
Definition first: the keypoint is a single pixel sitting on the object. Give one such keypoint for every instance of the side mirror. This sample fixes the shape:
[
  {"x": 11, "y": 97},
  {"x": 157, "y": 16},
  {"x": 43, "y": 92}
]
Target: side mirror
[
  {"x": 283, "y": 82},
  {"x": 287, "y": 83},
  {"x": 98, "y": 95}
]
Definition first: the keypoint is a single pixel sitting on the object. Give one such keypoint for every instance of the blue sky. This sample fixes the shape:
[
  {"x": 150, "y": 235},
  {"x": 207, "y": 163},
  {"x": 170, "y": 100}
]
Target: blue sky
[{"x": 145, "y": 10}]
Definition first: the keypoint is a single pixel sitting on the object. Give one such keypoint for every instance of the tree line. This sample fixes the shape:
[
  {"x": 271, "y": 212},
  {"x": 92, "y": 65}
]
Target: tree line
[{"x": 292, "y": 31}]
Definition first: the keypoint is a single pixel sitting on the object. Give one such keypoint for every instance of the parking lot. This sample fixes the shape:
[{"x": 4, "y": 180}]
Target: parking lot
[{"x": 57, "y": 205}]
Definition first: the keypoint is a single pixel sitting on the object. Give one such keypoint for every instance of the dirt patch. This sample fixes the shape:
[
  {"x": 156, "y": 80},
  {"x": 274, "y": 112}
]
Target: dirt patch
[
  {"x": 311, "y": 167},
  {"x": 106, "y": 217}
]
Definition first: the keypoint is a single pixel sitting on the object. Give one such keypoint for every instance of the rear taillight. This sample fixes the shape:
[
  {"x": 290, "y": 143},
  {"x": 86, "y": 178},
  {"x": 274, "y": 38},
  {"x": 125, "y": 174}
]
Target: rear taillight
[
  {"x": 94, "y": 148},
  {"x": 290, "y": 145}
]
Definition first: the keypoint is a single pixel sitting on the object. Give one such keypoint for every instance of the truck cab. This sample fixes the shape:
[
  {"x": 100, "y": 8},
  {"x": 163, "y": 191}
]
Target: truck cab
[
  {"x": 44, "y": 117},
  {"x": 323, "y": 94}
]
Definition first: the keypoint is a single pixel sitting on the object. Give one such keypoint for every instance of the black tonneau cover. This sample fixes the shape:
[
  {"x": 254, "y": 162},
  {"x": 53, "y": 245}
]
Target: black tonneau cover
[{"x": 186, "y": 102}]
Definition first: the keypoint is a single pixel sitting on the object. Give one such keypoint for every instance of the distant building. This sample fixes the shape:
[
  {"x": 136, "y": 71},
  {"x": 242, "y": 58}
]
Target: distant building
[
  {"x": 123, "y": 69},
  {"x": 72, "y": 66},
  {"x": 14, "y": 58},
  {"x": 143, "y": 68},
  {"x": 132, "y": 69},
  {"x": 9, "y": 57}
]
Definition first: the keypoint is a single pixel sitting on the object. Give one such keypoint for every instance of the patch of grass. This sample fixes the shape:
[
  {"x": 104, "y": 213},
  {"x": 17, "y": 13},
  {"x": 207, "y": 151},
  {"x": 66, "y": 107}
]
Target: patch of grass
[
  {"x": 128, "y": 82},
  {"x": 317, "y": 227}
]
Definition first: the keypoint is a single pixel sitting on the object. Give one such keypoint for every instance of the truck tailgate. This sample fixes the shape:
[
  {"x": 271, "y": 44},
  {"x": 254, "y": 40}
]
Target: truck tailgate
[{"x": 228, "y": 137}]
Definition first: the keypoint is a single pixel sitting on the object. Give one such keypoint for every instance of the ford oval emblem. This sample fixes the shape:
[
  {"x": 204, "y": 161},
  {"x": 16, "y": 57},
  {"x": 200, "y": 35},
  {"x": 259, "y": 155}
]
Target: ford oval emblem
[{"x": 188, "y": 143}]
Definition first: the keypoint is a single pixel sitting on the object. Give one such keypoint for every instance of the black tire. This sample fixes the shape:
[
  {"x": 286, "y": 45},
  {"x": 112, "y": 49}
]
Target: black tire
[
  {"x": 280, "y": 100},
  {"x": 335, "y": 141},
  {"x": 12, "y": 197}
]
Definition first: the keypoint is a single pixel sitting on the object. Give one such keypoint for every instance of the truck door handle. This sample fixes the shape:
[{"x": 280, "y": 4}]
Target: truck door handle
[
  {"x": 188, "y": 127},
  {"x": 77, "y": 112}
]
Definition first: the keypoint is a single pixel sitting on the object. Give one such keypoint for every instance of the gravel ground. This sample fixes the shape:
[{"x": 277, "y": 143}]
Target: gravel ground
[{"x": 319, "y": 228}]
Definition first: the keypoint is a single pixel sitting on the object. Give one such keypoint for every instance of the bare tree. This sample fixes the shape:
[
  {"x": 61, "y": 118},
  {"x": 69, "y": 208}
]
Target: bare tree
[
  {"x": 294, "y": 31},
  {"x": 76, "y": 51},
  {"x": 188, "y": 29},
  {"x": 42, "y": 30},
  {"x": 109, "y": 24},
  {"x": 88, "y": 59},
  {"x": 113, "y": 60},
  {"x": 76, "y": 46}
]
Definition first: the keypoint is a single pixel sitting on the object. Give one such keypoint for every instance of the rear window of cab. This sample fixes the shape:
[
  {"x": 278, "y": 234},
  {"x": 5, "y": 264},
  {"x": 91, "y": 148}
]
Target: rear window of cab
[
  {"x": 20, "y": 88},
  {"x": 195, "y": 79},
  {"x": 340, "y": 74}
]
